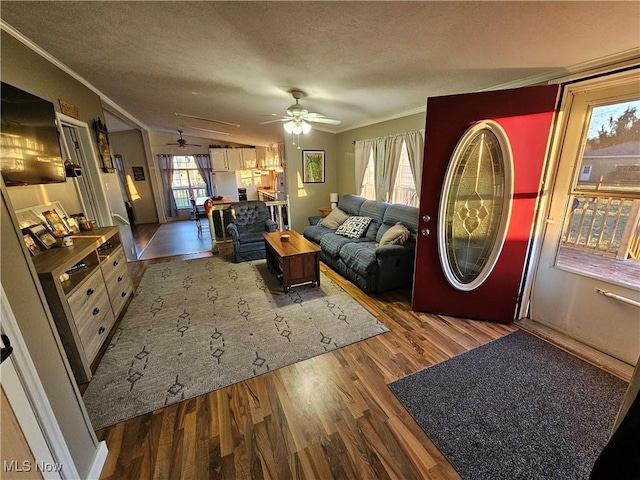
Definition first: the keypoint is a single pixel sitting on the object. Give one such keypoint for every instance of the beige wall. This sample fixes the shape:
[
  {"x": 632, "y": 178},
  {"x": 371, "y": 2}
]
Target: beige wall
[
  {"x": 131, "y": 147},
  {"x": 28, "y": 71},
  {"x": 345, "y": 147},
  {"x": 307, "y": 198}
]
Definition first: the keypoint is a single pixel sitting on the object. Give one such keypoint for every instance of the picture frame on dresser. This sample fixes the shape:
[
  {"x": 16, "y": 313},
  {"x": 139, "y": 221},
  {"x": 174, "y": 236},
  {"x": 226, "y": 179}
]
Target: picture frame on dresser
[{"x": 42, "y": 236}]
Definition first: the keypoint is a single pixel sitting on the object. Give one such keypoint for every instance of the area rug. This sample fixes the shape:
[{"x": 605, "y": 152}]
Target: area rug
[
  {"x": 515, "y": 408},
  {"x": 199, "y": 325}
]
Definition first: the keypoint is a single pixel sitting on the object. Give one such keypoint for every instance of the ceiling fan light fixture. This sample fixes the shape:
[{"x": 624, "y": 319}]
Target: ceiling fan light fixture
[
  {"x": 297, "y": 126},
  {"x": 288, "y": 127}
]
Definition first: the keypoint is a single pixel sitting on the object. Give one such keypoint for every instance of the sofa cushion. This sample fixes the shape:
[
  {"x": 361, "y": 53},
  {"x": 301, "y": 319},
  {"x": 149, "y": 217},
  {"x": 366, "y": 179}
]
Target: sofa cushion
[
  {"x": 396, "y": 235},
  {"x": 351, "y": 204},
  {"x": 332, "y": 243},
  {"x": 404, "y": 214},
  {"x": 316, "y": 232},
  {"x": 334, "y": 219},
  {"x": 375, "y": 210},
  {"x": 360, "y": 256},
  {"x": 354, "y": 226}
]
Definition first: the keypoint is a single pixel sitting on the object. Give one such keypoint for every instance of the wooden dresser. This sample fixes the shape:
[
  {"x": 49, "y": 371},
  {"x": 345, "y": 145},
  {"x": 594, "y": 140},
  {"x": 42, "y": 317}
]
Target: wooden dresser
[{"x": 86, "y": 305}]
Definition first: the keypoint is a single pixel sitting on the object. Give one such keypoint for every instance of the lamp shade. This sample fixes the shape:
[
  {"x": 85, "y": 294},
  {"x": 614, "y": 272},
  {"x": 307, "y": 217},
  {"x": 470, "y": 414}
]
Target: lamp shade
[{"x": 333, "y": 197}]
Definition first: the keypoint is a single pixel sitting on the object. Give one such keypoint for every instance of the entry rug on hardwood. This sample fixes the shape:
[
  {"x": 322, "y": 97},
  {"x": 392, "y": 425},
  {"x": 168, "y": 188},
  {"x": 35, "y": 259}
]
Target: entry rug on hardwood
[
  {"x": 515, "y": 408},
  {"x": 199, "y": 325}
]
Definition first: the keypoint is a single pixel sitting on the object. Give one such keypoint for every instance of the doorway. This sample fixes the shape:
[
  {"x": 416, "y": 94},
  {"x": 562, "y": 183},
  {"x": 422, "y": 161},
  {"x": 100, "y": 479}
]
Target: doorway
[{"x": 587, "y": 279}]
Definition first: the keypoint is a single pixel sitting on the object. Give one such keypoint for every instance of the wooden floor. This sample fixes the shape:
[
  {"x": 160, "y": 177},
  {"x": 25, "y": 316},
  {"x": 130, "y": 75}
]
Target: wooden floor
[{"x": 332, "y": 416}]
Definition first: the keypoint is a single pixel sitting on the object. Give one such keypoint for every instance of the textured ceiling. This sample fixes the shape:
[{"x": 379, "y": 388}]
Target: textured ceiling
[{"x": 359, "y": 62}]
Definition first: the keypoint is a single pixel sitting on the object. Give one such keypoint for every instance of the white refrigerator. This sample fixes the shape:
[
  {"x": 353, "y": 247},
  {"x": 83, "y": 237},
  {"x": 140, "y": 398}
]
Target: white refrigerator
[{"x": 225, "y": 184}]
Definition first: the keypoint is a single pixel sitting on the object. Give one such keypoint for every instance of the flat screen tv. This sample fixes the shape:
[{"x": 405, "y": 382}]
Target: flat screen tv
[{"x": 30, "y": 150}]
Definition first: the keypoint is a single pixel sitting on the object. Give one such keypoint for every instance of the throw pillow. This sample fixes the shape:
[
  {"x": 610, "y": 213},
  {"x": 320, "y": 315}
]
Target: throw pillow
[
  {"x": 334, "y": 219},
  {"x": 354, "y": 227},
  {"x": 396, "y": 235}
]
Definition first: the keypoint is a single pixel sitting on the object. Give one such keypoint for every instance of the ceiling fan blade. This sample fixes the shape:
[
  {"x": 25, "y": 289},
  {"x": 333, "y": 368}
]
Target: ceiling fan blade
[
  {"x": 285, "y": 119},
  {"x": 192, "y": 145},
  {"x": 237, "y": 125},
  {"x": 329, "y": 121}
]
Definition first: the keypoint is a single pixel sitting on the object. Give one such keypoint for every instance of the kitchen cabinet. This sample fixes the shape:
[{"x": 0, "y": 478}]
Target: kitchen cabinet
[
  {"x": 234, "y": 159},
  {"x": 218, "y": 159},
  {"x": 87, "y": 286},
  {"x": 226, "y": 159},
  {"x": 249, "y": 158}
]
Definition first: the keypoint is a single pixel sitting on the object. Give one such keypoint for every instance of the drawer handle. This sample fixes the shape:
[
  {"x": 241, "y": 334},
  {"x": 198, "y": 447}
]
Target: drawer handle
[
  {"x": 115, "y": 263},
  {"x": 100, "y": 330},
  {"x": 96, "y": 311},
  {"x": 90, "y": 292},
  {"x": 119, "y": 279},
  {"x": 124, "y": 294}
]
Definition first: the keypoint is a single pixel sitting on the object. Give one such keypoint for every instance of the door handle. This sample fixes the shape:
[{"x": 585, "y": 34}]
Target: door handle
[
  {"x": 425, "y": 231},
  {"x": 426, "y": 218}
]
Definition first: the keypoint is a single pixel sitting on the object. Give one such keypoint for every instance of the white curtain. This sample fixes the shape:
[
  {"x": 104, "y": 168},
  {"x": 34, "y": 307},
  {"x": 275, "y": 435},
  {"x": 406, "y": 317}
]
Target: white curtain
[
  {"x": 387, "y": 158},
  {"x": 203, "y": 162},
  {"x": 415, "y": 151},
  {"x": 362, "y": 150},
  {"x": 166, "y": 172}
]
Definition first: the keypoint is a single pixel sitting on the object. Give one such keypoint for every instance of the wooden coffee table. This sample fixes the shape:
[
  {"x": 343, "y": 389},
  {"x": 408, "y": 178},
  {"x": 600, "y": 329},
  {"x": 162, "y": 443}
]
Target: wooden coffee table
[{"x": 295, "y": 262}]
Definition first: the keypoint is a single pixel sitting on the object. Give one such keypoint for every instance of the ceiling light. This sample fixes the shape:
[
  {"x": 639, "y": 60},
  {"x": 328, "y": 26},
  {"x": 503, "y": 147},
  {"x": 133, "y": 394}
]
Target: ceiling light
[{"x": 297, "y": 126}]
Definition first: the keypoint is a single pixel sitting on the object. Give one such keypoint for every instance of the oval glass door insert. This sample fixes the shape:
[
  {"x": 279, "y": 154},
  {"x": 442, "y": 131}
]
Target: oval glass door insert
[{"x": 475, "y": 205}]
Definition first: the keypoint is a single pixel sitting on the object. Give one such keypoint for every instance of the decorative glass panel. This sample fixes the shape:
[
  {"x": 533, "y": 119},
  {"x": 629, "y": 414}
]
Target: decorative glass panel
[{"x": 475, "y": 205}]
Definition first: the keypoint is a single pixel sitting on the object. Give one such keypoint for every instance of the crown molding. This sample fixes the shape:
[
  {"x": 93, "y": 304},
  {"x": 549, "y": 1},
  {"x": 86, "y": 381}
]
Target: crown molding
[
  {"x": 113, "y": 106},
  {"x": 406, "y": 113},
  {"x": 579, "y": 71}
]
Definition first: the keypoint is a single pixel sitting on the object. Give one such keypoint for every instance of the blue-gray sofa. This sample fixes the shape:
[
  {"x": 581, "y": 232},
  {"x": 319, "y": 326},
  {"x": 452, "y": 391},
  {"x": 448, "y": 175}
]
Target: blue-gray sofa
[{"x": 371, "y": 267}]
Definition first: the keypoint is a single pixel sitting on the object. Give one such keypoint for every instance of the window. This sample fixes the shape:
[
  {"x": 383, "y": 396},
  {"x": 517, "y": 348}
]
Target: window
[
  {"x": 368, "y": 189},
  {"x": 404, "y": 188},
  {"x": 187, "y": 181}
]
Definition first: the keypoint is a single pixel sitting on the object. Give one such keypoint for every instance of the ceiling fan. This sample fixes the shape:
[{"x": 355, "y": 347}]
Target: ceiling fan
[
  {"x": 297, "y": 117},
  {"x": 181, "y": 142}
]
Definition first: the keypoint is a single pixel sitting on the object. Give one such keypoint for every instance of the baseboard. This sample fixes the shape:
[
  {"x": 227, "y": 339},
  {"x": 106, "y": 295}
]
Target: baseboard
[
  {"x": 98, "y": 461},
  {"x": 612, "y": 365}
]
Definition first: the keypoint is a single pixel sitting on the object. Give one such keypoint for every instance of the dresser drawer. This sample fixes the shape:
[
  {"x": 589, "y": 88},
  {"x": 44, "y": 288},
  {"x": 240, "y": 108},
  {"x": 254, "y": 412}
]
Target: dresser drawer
[
  {"x": 120, "y": 288},
  {"x": 94, "y": 330},
  {"x": 115, "y": 261},
  {"x": 90, "y": 295},
  {"x": 91, "y": 311}
]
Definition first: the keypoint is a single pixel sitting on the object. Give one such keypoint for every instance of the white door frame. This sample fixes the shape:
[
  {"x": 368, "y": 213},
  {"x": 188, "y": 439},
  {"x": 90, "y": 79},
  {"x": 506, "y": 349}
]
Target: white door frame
[
  {"x": 557, "y": 181},
  {"x": 30, "y": 404},
  {"x": 551, "y": 169},
  {"x": 91, "y": 169}
]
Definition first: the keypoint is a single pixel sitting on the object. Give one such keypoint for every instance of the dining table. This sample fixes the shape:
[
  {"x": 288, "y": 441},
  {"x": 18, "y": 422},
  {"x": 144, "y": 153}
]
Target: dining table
[{"x": 215, "y": 206}]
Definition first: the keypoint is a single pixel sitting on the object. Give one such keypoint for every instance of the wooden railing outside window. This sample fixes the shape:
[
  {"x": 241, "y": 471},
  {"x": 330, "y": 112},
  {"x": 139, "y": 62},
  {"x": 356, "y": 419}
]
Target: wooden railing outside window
[{"x": 604, "y": 224}]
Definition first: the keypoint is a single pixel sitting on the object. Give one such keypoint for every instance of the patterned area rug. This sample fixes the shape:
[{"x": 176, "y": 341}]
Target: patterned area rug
[{"x": 199, "y": 325}]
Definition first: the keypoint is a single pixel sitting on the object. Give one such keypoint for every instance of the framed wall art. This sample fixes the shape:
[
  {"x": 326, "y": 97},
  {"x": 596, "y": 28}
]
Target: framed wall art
[
  {"x": 102, "y": 137},
  {"x": 138, "y": 174},
  {"x": 313, "y": 166}
]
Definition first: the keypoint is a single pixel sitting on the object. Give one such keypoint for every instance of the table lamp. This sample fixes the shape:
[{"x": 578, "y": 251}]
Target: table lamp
[{"x": 333, "y": 198}]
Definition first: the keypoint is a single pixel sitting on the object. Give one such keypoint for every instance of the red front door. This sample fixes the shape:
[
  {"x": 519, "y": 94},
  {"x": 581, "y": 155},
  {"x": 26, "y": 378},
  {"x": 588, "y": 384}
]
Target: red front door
[{"x": 448, "y": 247}]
